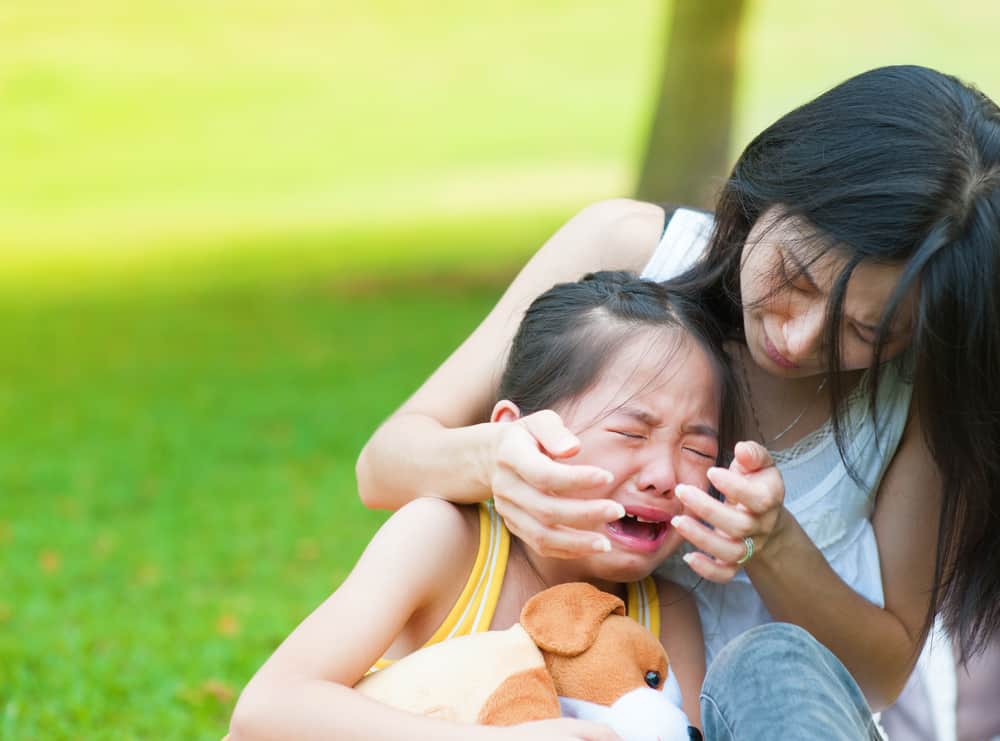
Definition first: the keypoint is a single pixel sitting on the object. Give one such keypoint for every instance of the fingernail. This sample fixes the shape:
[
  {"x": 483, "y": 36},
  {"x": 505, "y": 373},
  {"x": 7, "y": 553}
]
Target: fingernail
[
  {"x": 681, "y": 491},
  {"x": 566, "y": 443},
  {"x": 688, "y": 558},
  {"x": 602, "y": 545},
  {"x": 676, "y": 520},
  {"x": 605, "y": 477},
  {"x": 615, "y": 512}
]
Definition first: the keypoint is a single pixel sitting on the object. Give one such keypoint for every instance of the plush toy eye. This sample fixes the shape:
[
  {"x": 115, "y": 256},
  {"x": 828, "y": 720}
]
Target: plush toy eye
[{"x": 653, "y": 679}]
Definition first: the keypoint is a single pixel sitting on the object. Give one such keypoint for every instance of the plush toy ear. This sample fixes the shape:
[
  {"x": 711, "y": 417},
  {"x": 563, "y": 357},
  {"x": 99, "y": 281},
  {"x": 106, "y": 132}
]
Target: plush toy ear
[{"x": 564, "y": 619}]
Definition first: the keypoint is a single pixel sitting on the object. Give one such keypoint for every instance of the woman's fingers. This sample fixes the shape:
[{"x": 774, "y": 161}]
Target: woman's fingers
[
  {"x": 724, "y": 516},
  {"x": 754, "y": 500},
  {"x": 760, "y": 492},
  {"x": 553, "y": 526},
  {"x": 535, "y": 494},
  {"x": 750, "y": 456},
  {"x": 548, "y": 510},
  {"x": 711, "y": 569},
  {"x": 519, "y": 452},
  {"x": 548, "y": 430},
  {"x": 556, "y": 542},
  {"x": 714, "y": 543}
]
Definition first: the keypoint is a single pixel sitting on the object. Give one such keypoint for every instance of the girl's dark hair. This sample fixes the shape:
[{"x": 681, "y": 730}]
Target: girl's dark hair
[
  {"x": 900, "y": 165},
  {"x": 570, "y": 333}
]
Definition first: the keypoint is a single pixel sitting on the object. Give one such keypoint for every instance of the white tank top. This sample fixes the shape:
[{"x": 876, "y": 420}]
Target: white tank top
[{"x": 833, "y": 510}]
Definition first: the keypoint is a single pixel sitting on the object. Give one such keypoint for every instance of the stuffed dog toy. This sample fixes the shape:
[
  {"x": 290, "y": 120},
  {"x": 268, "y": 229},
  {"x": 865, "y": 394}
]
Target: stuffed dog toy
[{"x": 574, "y": 654}]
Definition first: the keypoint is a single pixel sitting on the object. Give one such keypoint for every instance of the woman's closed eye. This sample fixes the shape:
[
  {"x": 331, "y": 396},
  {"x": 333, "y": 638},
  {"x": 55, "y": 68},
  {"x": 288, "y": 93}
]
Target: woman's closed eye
[
  {"x": 864, "y": 335},
  {"x": 795, "y": 276},
  {"x": 701, "y": 453}
]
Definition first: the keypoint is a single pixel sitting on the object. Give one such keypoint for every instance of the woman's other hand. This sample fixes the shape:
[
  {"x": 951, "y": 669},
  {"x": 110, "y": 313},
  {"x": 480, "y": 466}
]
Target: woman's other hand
[
  {"x": 533, "y": 490},
  {"x": 754, "y": 502}
]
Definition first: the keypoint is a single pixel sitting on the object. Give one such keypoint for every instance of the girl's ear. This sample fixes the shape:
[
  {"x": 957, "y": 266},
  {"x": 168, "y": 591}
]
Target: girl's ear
[{"x": 505, "y": 411}]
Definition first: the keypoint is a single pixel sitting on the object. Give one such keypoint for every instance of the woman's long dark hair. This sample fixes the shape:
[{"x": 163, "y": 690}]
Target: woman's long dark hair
[
  {"x": 901, "y": 165},
  {"x": 570, "y": 333}
]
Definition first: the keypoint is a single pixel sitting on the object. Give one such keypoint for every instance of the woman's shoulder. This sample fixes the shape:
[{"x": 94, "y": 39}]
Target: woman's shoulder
[{"x": 616, "y": 234}]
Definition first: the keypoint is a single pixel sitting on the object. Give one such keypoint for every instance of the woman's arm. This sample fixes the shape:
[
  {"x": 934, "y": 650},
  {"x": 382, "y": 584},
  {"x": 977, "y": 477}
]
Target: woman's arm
[
  {"x": 432, "y": 445},
  {"x": 681, "y": 636},
  {"x": 878, "y": 645}
]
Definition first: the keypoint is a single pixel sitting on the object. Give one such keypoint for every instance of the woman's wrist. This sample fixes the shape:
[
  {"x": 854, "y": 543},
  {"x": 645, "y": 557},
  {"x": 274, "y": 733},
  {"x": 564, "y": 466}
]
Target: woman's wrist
[
  {"x": 780, "y": 541},
  {"x": 485, "y": 454}
]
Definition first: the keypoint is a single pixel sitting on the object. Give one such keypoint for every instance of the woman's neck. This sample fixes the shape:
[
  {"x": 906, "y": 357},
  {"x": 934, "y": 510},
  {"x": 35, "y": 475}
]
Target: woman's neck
[{"x": 780, "y": 411}]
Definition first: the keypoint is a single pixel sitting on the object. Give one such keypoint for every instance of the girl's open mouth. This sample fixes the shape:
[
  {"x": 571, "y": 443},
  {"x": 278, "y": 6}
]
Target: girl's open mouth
[{"x": 639, "y": 533}]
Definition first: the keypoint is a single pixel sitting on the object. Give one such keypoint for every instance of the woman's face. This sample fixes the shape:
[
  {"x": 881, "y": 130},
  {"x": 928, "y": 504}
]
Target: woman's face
[{"x": 785, "y": 294}]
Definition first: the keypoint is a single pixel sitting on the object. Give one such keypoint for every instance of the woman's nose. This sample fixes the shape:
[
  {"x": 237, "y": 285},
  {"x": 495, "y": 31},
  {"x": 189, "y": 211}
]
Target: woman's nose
[{"x": 803, "y": 332}]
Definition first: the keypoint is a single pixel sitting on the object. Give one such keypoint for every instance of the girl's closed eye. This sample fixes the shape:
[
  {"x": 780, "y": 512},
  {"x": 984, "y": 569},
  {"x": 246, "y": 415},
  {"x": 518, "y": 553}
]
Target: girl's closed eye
[
  {"x": 701, "y": 453},
  {"x": 629, "y": 434}
]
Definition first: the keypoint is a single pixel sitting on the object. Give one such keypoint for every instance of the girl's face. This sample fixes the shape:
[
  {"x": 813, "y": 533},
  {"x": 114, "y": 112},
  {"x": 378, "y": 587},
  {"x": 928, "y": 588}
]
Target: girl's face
[
  {"x": 651, "y": 420},
  {"x": 785, "y": 296}
]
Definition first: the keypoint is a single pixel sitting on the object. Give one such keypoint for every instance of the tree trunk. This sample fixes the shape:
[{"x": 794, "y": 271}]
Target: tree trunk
[{"x": 687, "y": 154}]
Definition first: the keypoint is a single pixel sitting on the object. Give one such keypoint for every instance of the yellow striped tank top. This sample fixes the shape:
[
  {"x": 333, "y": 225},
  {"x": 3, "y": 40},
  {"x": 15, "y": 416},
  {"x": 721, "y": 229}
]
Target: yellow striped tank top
[{"x": 473, "y": 611}]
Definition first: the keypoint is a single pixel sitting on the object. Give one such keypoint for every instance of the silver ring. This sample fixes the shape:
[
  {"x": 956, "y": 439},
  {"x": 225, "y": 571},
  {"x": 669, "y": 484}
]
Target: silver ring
[{"x": 748, "y": 543}]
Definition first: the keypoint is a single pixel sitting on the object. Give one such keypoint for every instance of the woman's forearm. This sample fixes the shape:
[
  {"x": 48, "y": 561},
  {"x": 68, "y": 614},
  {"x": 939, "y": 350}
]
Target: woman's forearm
[
  {"x": 414, "y": 455},
  {"x": 798, "y": 586},
  {"x": 425, "y": 449}
]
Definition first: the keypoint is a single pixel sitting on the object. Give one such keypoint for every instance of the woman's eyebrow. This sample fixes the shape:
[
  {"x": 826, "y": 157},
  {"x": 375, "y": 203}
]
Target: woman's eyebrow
[{"x": 801, "y": 267}]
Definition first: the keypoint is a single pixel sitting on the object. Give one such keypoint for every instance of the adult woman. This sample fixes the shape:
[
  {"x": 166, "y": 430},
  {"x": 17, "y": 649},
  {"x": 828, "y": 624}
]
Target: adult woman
[{"x": 854, "y": 247}]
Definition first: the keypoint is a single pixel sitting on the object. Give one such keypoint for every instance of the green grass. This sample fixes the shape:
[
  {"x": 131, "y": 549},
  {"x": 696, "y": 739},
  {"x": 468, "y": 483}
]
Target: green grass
[{"x": 178, "y": 487}]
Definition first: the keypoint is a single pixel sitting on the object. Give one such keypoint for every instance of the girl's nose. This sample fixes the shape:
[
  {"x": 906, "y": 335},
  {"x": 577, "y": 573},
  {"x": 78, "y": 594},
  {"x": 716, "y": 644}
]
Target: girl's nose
[{"x": 657, "y": 476}]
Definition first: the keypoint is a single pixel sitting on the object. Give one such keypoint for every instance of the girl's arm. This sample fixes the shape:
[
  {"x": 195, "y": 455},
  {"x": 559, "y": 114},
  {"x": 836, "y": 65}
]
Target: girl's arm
[
  {"x": 304, "y": 688},
  {"x": 432, "y": 445},
  {"x": 681, "y": 636},
  {"x": 879, "y": 646},
  {"x": 417, "y": 561}
]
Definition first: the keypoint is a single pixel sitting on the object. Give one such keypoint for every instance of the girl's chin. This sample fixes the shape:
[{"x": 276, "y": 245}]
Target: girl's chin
[{"x": 633, "y": 567}]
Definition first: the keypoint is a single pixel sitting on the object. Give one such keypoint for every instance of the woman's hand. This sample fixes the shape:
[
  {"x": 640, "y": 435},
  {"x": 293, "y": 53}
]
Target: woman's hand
[
  {"x": 534, "y": 492},
  {"x": 755, "y": 496}
]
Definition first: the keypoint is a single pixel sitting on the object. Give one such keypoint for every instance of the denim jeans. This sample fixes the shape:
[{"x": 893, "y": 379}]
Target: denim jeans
[{"x": 778, "y": 682}]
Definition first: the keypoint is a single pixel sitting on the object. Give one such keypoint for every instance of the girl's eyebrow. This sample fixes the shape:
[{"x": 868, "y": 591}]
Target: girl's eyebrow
[
  {"x": 641, "y": 415},
  {"x": 702, "y": 430},
  {"x": 651, "y": 420}
]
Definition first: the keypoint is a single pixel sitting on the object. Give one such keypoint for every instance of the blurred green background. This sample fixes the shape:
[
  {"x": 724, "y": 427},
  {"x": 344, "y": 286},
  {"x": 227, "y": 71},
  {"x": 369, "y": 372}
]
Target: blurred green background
[{"x": 236, "y": 235}]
